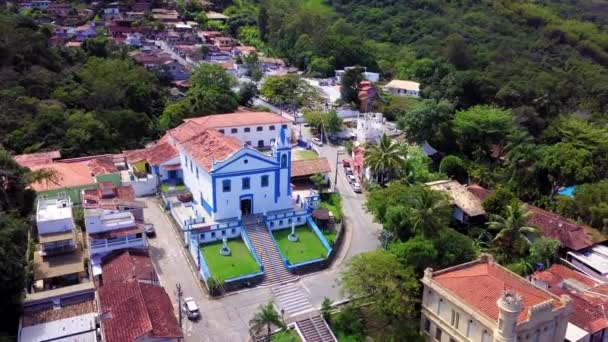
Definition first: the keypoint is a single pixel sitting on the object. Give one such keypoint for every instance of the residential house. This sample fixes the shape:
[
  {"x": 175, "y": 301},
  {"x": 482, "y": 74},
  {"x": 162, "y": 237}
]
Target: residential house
[
  {"x": 142, "y": 6},
  {"x": 242, "y": 50},
  {"x": 72, "y": 175},
  {"x": 468, "y": 208},
  {"x": 482, "y": 301},
  {"x": 403, "y": 88},
  {"x": 64, "y": 314},
  {"x": 588, "y": 321},
  {"x": 59, "y": 9},
  {"x": 34, "y": 4},
  {"x": 166, "y": 16},
  {"x": 370, "y": 76},
  {"x": 270, "y": 65},
  {"x": 112, "y": 11},
  {"x": 86, "y": 31},
  {"x": 592, "y": 261},
  {"x": 132, "y": 305},
  {"x": 59, "y": 259},
  {"x": 215, "y": 16},
  {"x": 571, "y": 235},
  {"x": 134, "y": 39}
]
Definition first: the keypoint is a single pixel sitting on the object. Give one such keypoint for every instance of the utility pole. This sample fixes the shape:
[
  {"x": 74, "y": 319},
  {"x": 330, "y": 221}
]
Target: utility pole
[{"x": 179, "y": 302}]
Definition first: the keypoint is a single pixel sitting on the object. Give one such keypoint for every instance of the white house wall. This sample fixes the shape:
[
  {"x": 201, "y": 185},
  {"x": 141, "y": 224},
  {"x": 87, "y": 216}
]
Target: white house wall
[{"x": 253, "y": 136}]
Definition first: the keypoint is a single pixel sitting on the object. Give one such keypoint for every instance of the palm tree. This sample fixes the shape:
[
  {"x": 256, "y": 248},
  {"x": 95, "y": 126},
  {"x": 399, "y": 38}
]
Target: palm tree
[
  {"x": 431, "y": 212},
  {"x": 521, "y": 152},
  {"x": 513, "y": 231},
  {"x": 266, "y": 316},
  {"x": 385, "y": 158}
]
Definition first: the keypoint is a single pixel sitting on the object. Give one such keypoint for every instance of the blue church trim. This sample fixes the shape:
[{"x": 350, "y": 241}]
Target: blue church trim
[
  {"x": 277, "y": 185},
  {"x": 213, "y": 194},
  {"x": 246, "y": 154},
  {"x": 206, "y": 206},
  {"x": 244, "y": 173}
]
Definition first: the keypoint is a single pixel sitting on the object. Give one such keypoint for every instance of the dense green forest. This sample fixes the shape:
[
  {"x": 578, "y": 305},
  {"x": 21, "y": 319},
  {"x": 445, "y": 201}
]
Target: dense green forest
[{"x": 81, "y": 101}]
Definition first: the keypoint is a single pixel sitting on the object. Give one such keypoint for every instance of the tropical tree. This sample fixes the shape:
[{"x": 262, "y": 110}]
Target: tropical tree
[
  {"x": 431, "y": 212},
  {"x": 378, "y": 278},
  {"x": 266, "y": 317},
  {"x": 513, "y": 232},
  {"x": 385, "y": 158}
]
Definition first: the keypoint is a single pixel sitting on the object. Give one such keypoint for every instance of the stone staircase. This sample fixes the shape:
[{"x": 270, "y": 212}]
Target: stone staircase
[
  {"x": 275, "y": 271},
  {"x": 314, "y": 329}
]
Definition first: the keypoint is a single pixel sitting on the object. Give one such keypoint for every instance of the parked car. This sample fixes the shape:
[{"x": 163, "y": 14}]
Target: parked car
[
  {"x": 351, "y": 179},
  {"x": 190, "y": 308},
  {"x": 348, "y": 170},
  {"x": 346, "y": 163},
  {"x": 317, "y": 141},
  {"x": 357, "y": 187},
  {"x": 149, "y": 229}
]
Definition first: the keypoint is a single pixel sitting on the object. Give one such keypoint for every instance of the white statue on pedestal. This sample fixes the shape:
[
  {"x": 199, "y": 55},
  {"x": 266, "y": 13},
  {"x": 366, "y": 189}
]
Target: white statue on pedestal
[
  {"x": 293, "y": 237},
  {"x": 225, "y": 251}
]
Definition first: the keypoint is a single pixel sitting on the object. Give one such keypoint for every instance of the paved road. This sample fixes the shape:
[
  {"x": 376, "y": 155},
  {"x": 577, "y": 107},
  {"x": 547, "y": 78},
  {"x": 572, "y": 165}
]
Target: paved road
[
  {"x": 165, "y": 47},
  {"x": 226, "y": 319}
]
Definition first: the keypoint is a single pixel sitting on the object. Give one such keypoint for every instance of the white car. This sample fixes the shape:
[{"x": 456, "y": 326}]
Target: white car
[
  {"x": 348, "y": 170},
  {"x": 317, "y": 141},
  {"x": 357, "y": 187},
  {"x": 190, "y": 309},
  {"x": 351, "y": 179}
]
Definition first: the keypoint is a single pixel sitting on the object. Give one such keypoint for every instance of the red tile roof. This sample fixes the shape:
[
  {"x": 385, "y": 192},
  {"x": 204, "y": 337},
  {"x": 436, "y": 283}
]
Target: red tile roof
[
  {"x": 40, "y": 158},
  {"x": 570, "y": 234},
  {"x": 66, "y": 175},
  {"x": 478, "y": 191},
  {"x": 93, "y": 198},
  {"x": 588, "y": 306},
  {"x": 238, "y": 119},
  {"x": 125, "y": 264},
  {"x": 481, "y": 283},
  {"x": 131, "y": 309},
  {"x": 552, "y": 225},
  {"x": 301, "y": 168},
  {"x": 211, "y": 146},
  {"x": 154, "y": 155}
]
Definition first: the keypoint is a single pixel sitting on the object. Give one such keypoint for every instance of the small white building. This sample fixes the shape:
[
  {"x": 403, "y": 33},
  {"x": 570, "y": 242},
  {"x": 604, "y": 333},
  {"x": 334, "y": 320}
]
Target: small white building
[
  {"x": 55, "y": 224},
  {"x": 371, "y": 127},
  {"x": 482, "y": 301},
  {"x": 110, "y": 230},
  {"x": 403, "y": 88}
]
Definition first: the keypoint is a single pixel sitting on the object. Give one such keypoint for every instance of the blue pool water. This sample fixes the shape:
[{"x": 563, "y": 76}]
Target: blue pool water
[{"x": 569, "y": 191}]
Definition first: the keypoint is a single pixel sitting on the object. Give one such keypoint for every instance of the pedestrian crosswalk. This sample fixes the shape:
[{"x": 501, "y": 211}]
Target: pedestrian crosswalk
[{"x": 292, "y": 298}]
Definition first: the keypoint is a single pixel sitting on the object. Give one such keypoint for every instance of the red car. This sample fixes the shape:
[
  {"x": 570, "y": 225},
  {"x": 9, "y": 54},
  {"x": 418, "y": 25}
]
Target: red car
[{"x": 346, "y": 163}]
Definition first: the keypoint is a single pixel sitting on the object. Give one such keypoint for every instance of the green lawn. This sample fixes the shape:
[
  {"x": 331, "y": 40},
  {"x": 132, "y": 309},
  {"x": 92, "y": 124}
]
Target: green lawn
[
  {"x": 237, "y": 264},
  {"x": 330, "y": 235},
  {"x": 288, "y": 335},
  {"x": 165, "y": 187},
  {"x": 305, "y": 155},
  {"x": 308, "y": 246}
]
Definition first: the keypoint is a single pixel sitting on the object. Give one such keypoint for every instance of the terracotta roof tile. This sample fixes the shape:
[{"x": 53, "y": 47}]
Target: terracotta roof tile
[
  {"x": 300, "y": 168},
  {"x": 211, "y": 146},
  {"x": 154, "y": 155},
  {"x": 238, "y": 119},
  {"x": 552, "y": 225},
  {"x": 67, "y": 175},
  {"x": 40, "y": 158},
  {"x": 124, "y": 264},
  {"x": 480, "y": 284},
  {"x": 588, "y": 305},
  {"x": 570, "y": 234},
  {"x": 131, "y": 309}
]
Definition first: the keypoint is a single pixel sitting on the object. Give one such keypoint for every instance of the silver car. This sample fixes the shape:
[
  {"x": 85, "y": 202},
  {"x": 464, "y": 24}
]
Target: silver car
[{"x": 190, "y": 309}]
